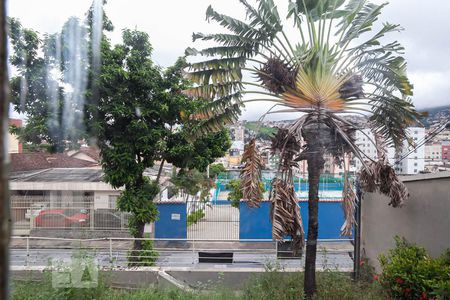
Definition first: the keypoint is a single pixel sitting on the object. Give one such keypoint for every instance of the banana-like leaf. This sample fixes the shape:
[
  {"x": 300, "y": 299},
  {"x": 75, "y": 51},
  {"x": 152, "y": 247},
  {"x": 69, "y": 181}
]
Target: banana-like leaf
[
  {"x": 362, "y": 21},
  {"x": 236, "y": 26},
  {"x": 211, "y": 91},
  {"x": 386, "y": 70},
  {"x": 316, "y": 9},
  {"x": 223, "y": 51},
  {"x": 266, "y": 17},
  {"x": 391, "y": 117}
]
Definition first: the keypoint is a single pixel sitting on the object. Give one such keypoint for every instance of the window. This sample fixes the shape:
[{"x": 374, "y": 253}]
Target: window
[
  {"x": 112, "y": 201},
  {"x": 416, "y": 132},
  {"x": 415, "y": 170},
  {"x": 415, "y": 164}
]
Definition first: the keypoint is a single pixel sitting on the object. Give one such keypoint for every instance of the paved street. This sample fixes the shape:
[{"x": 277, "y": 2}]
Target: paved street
[{"x": 332, "y": 258}]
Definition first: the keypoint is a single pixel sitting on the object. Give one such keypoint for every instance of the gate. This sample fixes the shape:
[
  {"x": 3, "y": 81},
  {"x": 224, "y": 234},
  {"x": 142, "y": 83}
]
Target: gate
[{"x": 216, "y": 220}]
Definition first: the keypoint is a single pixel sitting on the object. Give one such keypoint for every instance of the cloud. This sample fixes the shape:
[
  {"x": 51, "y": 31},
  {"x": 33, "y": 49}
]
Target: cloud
[{"x": 170, "y": 24}]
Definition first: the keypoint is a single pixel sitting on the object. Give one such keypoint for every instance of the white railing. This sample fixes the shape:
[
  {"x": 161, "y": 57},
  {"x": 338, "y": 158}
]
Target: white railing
[{"x": 172, "y": 253}]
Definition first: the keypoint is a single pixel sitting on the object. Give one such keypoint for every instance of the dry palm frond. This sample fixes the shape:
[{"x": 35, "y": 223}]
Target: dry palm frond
[
  {"x": 380, "y": 144},
  {"x": 368, "y": 177},
  {"x": 398, "y": 192},
  {"x": 251, "y": 175},
  {"x": 348, "y": 205},
  {"x": 285, "y": 215},
  {"x": 275, "y": 76},
  {"x": 379, "y": 175}
]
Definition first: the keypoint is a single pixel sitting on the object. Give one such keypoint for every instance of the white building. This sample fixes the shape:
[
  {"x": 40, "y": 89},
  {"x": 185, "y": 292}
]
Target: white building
[
  {"x": 410, "y": 163},
  {"x": 433, "y": 152}
]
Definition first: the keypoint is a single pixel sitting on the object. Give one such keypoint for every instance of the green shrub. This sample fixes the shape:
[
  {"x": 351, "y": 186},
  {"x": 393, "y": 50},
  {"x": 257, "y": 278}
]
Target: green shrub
[
  {"x": 196, "y": 216},
  {"x": 408, "y": 272},
  {"x": 145, "y": 257}
]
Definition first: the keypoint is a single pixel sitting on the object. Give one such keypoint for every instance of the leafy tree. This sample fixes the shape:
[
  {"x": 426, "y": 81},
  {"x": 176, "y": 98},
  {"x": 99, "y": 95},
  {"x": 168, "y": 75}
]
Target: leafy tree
[
  {"x": 192, "y": 183},
  {"x": 45, "y": 86},
  {"x": 144, "y": 118},
  {"x": 335, "y": 65},
  {"x": 216, "y": 169},
  {"x": 236, "y": 191}
]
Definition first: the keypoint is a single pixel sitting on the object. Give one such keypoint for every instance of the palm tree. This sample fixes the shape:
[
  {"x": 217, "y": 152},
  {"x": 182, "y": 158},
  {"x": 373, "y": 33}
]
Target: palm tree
[{"x": 336, "y": 65}]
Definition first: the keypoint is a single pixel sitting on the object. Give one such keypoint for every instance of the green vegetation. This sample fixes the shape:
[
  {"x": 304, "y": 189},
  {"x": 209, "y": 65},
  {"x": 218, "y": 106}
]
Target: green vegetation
[
  {"x": 235, "y": 195},
  {"x": 262, "y": 132},
  {"x": 194, "y": 217},
  {"x": 192, "y": 183},
  {"x": 268, "y": 286},
  {"x": 215, "y": 170},
  {"x": 320, "y": 73},
  {"x": 408, "y": 272},
  {"x": 146, "y": 257}
]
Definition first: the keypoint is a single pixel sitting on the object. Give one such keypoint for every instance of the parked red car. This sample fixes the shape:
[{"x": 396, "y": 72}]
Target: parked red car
[{"x": 62, "y": 218}]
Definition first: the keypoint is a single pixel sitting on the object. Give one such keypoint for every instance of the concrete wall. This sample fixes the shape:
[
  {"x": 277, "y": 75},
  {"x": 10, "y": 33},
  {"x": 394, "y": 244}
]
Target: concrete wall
[
  {"x": 255, "y": 222},
  {"x": 424, "y": 219},
  {"x": 101, "y": 198},
  {"x": 171, "y": 223}
]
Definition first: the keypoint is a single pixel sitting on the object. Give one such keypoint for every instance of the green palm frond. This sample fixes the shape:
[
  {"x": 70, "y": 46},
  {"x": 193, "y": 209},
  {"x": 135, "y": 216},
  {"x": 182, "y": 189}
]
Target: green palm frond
[
  {"x": 236, "y": 26},
  {"x": 211, "y": 91},
  {"x": 222, "y": 51},
  {"x": 265, "y": 16},
  {"x": 391, "y": 116}
]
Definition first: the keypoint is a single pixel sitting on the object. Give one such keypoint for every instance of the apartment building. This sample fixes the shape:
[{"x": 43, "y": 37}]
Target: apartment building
[{"x": 411, "y": 159}]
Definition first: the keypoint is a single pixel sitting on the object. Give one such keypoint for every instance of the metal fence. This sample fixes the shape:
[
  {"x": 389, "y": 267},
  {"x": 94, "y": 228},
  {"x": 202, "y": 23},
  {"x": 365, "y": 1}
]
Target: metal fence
[
  {"x": 40, "y": 212},
  {"x": 217, "y": 220},
  {"x": 176, "y": 253}
]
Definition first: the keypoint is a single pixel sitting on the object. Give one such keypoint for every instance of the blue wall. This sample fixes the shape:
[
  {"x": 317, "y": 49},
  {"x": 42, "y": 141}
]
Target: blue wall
[
  {"x": 255, "y": 222},
  {"x": 168, "y": 227}
]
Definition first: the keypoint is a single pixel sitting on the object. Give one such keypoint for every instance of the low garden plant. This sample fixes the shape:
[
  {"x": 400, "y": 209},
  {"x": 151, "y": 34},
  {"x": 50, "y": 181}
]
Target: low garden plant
[
  {"x": 408, "y": 272},
  {"x": 195, "y": 216}
]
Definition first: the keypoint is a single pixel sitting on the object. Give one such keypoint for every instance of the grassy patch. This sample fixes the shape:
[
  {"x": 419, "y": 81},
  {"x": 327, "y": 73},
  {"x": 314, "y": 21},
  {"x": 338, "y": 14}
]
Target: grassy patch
[{"x": 270, "y": 285}]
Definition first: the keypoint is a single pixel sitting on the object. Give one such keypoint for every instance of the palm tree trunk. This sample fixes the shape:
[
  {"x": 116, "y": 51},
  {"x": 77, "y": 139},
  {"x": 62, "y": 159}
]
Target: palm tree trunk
[
  {"x": 315, "y": 159},
  {"x": 5, "y": 218}
]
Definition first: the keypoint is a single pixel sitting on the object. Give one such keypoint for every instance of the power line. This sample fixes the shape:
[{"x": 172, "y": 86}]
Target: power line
[{"x": 445, "y": 125}]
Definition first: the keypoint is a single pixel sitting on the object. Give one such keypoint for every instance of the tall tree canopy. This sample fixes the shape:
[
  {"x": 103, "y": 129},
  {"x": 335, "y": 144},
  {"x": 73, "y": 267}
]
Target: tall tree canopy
[
  {"x": 144, "y": 118},
  {"x": 52, "y": 81},
  {"x": 334, "y": 65}
]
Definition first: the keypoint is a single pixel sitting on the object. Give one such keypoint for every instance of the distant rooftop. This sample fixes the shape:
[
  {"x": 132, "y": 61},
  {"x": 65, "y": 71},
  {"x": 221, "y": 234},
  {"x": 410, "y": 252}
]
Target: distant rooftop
[
  {"x": 59, "y": 175},
  {"x": 42, "y": 160}
]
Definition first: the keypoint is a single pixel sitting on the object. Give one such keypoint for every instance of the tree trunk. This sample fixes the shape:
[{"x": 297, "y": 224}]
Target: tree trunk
[
  {"x": 140, "y": 234},
  {"x": 137, "y": 245},
  {"x": 315, "y": 159},
  {"x": 5, "y": 218}
]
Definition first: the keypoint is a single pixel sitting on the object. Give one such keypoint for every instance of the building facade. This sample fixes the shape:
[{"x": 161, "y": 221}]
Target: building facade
[
  {"x": 446, "y": 151},
  {"x": 433, "y": 152},
  {"x": 411, "y": 160},
  {"x": 14, "y": 145}
]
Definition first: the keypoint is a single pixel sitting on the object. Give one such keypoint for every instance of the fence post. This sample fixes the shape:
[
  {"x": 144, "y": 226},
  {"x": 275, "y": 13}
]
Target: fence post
[
  {"x": 110, "y": 253},
  {"x": 28, "y": 252}
]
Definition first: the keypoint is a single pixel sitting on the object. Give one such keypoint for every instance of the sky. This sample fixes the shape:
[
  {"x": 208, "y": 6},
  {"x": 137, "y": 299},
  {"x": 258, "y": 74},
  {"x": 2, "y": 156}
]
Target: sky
[{"x": 170, "y": 24}]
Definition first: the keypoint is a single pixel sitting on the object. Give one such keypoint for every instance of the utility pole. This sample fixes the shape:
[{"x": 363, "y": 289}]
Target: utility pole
[{"x": 5, "y": 218}]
